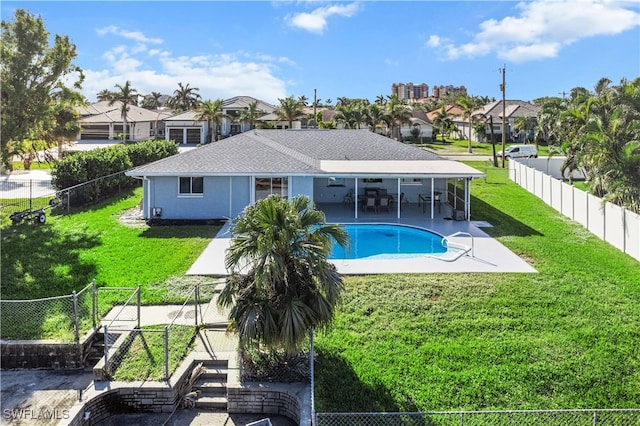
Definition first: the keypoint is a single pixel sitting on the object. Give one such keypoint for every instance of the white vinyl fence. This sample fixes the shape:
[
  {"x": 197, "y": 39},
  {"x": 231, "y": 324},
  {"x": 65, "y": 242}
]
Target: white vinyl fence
[{"x": 614, "y": 224}]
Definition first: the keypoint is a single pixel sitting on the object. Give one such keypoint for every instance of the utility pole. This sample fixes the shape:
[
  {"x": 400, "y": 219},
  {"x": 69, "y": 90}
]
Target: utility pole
[
  {"x": 315, "y": 124},
  {"x": 504, "y": 119}
]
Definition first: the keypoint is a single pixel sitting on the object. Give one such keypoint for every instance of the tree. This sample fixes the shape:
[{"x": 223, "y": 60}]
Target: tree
[
  {"x": 289, "y": 287},
  {"x": 468, "y": 106},
  {"x": 185, "y": 98},
  {"x": 125, "y": 96},
  {"x": 104, "y": 95},
  {"x": 599, "y": 133},
  {"x": 65, "y": 126},
  {"x": 211, "y": 112},
  {"x": 152, "y": 101},
  {"x": 442, "y": 119},
  {"x": 32, "y": 73},
  {"x": 251, "y": 114},
  {"x": 398, "y": 113},
  {"x": 289, "y": 110}
]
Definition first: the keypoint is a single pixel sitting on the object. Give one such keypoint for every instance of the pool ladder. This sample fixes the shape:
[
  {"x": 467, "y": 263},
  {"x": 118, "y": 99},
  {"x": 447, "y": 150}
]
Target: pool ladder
[{"x": 461, "y": 249}]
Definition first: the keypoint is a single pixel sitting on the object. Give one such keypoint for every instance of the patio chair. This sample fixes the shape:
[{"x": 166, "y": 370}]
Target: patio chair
[
  {"x": 384, "y": 203},
  {"x": 348, "y": 199},
  {"x": 370, "y": 204}
]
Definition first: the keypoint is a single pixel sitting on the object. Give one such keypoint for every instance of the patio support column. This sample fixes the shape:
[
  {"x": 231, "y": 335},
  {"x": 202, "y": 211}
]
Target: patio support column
[
  {"x": 468, "y": 198},
  {"x": 432, "y": 198},
  {"x": 355, "y": 199},
  {"x": 399, "y": 197}
]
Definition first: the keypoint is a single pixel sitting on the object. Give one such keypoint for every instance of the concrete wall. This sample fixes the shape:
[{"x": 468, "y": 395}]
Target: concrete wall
[
  {"x": 271, "y": 398},
  {"x": 614, "y": 224}
]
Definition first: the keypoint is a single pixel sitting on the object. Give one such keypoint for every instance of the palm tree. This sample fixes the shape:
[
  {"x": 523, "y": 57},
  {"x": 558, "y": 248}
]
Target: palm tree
[
  {"x": 104, "y": 95},
  {"x": 185, "y": 97},
  {"x": 126, "y": 95},
  {"x": 289, "y": 110},
  {"x": 152, "y": 101},
  {"x": 381, "y": 100},
  {"x": 211, "y": 112},
  {"x": 523, "y": 124},
  {"x": 303, "y": 100},
  {"x": 399, "y": 114},
  {"x": 281, "y": 284},
  {"x": 375, "y": 116},
  {"x": 442, "y": 119},
  {"x": 250, "y": 114},
  {"x": 467, "y": 105}
]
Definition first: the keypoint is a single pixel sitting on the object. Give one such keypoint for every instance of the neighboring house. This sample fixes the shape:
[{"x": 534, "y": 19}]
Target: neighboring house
[
  {"x": 420, "y": 121},
  {"x": 219, "y": 180},
  {"x": 513, "y": 109},
  {"x": 101, "y": 121},
  {"x": 232, "y": 108},
  {"x": 185, "y": 128}
]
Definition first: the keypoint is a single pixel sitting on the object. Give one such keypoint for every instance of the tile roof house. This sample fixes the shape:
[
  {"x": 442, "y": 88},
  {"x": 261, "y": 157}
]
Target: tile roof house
[
  {"x": 219, "y": 180},
  {"x": 513, "y": 109},
  {"x": 101, "y": 121}
]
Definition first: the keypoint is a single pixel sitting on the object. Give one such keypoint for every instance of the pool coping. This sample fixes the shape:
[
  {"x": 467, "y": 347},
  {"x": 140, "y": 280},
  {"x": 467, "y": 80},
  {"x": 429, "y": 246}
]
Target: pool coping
[{"x": 489, "y": 255}]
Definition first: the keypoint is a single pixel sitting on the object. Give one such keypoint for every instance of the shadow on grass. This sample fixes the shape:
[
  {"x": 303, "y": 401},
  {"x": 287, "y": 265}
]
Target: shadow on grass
[
  {"x": 191, "y": 229},
  {"x": 503, "y": 224},
  {"x": 339, "y": 390},
  {"x": 40, "y": 261}
]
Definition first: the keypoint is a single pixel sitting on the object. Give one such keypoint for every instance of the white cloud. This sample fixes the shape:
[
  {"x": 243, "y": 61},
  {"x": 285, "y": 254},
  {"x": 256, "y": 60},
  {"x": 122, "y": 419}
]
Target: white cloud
[
  {"x": 216, "y": 76},
  {"x": 391, "y": 62},
  {"x": 316, "y": 21},
  {"x": 131, "y": 35},
  {"x": 541, "y": 29}
]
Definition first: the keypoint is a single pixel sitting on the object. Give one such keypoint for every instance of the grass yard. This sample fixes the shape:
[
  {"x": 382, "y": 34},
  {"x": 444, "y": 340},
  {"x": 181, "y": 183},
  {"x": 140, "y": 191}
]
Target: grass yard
[
  {"x": 145, "y": 358},
  {"x": 69, "y": 251},
  {"x": 567, "y": 337}
]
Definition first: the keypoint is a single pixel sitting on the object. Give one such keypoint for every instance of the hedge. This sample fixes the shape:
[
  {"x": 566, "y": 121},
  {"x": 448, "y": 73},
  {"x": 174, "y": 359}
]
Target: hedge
[{"x": 89, "y": 166}]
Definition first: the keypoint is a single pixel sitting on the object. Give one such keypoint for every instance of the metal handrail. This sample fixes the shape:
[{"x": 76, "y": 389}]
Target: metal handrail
[{"x": 462, "y": 233}]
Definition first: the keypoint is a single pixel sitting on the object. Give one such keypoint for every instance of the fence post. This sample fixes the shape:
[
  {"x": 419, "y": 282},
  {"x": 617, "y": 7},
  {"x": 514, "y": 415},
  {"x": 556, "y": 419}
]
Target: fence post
[
  {"x": 197, "y": 291},
  {"x": 106, "y": 349},
  {"x": 138, "y": 304},
  {"x": 312, "y": 381},
  {"x": 94, "y": 303},
  {"x": 76, "y": 322},
  {"x": 166, "y": 352}
]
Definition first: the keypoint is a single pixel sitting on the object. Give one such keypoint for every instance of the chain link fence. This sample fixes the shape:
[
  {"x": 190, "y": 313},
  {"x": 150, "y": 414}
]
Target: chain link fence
[
  {"x": 62, "y": 318},
  {"x": 24, "y": 194},
  {"x": 621, "y": 417}
]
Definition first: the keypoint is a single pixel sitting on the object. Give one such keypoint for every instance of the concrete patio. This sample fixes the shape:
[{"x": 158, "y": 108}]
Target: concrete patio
[{"x": 488, "y": 254}]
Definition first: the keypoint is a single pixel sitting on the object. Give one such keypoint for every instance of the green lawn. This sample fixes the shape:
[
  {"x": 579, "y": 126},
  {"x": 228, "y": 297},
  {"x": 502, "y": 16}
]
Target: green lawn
[
  {"x": 71, "y": 250},
  {"x": 145, "y": 358},
  {"x": 567, "y": 337}
]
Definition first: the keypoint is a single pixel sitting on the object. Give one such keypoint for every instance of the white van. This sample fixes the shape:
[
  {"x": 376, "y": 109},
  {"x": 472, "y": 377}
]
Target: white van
[{"x": 520, "y": 151}]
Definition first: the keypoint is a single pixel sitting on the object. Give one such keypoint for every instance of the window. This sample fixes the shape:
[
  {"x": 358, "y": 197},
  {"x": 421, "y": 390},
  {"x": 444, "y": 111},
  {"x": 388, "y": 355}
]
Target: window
[
  {"x": 191, "y": 185},
  {"x": 266, "y": 186}
]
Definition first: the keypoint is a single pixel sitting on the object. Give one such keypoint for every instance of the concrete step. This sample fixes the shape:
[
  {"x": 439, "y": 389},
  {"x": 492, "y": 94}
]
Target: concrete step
[
  {"x": 214, "y": 373},
  {"x": 212, "y": 402},
  {"x": 211, "y": 387}
]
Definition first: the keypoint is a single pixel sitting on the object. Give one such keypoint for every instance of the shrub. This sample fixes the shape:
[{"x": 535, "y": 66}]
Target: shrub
[{"x": 90, "y": 166}]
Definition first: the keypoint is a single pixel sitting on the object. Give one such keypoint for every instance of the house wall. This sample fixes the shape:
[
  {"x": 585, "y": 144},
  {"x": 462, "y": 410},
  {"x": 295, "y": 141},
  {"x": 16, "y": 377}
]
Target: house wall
[
  {"x": 426, "y": 130},
  {"x": 223, "y": 197},
  {"x": 140, "y": 131},
  {"x": 302, "y": 185}
]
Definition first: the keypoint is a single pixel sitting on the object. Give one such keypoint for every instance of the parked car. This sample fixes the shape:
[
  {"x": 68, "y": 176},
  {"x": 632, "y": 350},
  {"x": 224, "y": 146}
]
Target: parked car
[{"x": 520, "y": 151}]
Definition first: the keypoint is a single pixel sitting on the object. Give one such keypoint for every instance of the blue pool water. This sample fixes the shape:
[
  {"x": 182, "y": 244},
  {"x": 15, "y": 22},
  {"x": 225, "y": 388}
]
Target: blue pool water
[{"x": 387, "y": 242}]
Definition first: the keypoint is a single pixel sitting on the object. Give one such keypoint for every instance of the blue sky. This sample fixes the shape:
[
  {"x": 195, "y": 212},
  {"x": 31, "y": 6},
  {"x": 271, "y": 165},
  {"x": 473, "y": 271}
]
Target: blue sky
[{"x": 271, "y": 50}]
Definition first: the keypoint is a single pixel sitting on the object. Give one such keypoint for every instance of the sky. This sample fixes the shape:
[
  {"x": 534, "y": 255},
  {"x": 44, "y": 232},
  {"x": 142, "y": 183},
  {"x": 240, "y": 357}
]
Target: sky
[{"x": 273, "y": 49}]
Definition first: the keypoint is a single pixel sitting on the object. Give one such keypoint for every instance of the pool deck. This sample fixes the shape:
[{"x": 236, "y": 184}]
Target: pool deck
[{"x": 489, "y": 255}]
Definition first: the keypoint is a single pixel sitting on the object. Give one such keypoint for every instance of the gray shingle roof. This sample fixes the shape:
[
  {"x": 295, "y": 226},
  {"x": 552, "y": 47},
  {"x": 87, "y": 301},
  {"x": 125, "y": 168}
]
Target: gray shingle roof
[{"x": 295, "y": 152}]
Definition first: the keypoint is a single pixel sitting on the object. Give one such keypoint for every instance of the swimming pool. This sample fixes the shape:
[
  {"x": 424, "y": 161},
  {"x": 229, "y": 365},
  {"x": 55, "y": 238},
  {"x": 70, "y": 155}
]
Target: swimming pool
[{"x": 387, "y": 241}]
